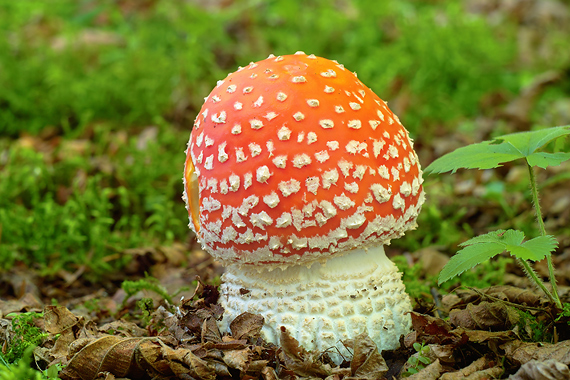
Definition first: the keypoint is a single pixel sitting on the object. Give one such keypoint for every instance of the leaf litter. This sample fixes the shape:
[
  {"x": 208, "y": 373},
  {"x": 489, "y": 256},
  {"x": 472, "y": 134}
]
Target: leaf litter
[{"x": 183, "y": 341}]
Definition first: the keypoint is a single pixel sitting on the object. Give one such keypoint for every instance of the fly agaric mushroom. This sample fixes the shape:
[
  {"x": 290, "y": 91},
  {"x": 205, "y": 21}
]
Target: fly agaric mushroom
[{"x": 296, "y": 176}]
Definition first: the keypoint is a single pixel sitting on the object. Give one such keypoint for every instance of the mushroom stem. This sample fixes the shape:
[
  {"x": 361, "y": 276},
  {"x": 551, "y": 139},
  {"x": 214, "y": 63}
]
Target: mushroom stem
[{"x": 324, "y": 304}]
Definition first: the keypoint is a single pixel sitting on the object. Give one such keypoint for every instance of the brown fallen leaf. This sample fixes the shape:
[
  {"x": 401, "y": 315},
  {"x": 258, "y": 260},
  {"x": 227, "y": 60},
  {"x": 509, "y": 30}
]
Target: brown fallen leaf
[
  {"x": 495, "y": 316},
  {"x": 445, "y": 354},
  {"x": 366, "y": 363},
  {"x": 431, "y": 330},
  {"x": 28, "y": 302},
  {"x": 185, "y": 364},
  {"x": 522, "y": 352},
  {"x": 479, "y": 336},
  {"x": 486, "y": 374},
  {"x": 246, "y": 326},
  {"x": 268, "y": 373},
  {"x": 298, "y": 360},
  {"x": 136, "y": 358},
  {"x": 107, "y": 354},
  {"x": 547, "y": 370},
  {"x": 58, "y": 319},
  {"x": 238, "y": 359},
  {"x": 430, "y": 372},
  {"x": 123, "y": 328},
  {"x": 210, "y": 331},
  {"x": 513, "y": 294},
  {"x": 67, "y": 327},
  {"x": 478, "y": 366}
]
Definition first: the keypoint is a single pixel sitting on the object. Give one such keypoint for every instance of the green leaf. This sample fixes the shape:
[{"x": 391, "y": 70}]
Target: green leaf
[
  {"x": 528, "y": 142},
  {"x": 482, "y": 155},
  {"x": 539, "y": 247},
  {"x": 468, "y": 258},
  {"x": 424, "y": 360},
  {"x": 487, "y": 246},
  {"x": 511, "y": 237},
  {"x": 543, "y": 159},
  {"x": 506, "y": 148}
]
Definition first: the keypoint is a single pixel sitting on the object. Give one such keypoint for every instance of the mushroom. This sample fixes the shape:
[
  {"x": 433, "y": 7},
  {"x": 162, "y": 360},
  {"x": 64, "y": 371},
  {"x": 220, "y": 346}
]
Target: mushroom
[{"x": 296, "y": 176}]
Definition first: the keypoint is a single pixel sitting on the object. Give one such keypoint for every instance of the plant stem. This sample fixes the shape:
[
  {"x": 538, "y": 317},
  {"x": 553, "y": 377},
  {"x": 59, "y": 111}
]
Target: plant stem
[
  {"x": 536, "y": 203},
  {"x": 532, "y": 275}
]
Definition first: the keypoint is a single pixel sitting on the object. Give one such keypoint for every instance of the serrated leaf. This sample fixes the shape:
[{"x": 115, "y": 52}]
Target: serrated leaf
[
  {"x": 543, "y": 159},
  {"x": 528, "y": 142},
  {"x": 468, "y": 258},
  {"x": 541, "y": 246},
  {"x": 482, "y": 155},
  {"x": 484, "y": 247},
  {"x": 513, "y": 237},
  {"x": 506, "y": 148}
]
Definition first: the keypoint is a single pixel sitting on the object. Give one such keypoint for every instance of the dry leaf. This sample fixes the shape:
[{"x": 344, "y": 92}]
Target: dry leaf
[
  {"x": 183, "y": 362},
  {"x": 298, "y": 360},
  {"x": 246, "y": 326},
  {"x": 528, "y": 297},
  {"x": 479, "y": 336},
  {"x": 547, "y": 370},
  {"x": 58, "y": 319},
  {"x": 110, "y": 353},
  {"x": 431, "y": 372},
  {"x": 522, "y": 352},
  {"x": 486, "y": 374},
  {"x": 210, "y": 331},
  {"x": 485, "y": 316},
  {"x": 431, "y": 330},
  {"x": 432, "y": 260},
  {"x": 123, "y": 328},
  {"x": 238, "y": 359},
  {"x": 366, "y": 363},
  {"x": 442, "y": 353},
  {"x": 27, "y": 303},
  {"x": 478, "y": 365},
  {"x": 268, "y": 373}
]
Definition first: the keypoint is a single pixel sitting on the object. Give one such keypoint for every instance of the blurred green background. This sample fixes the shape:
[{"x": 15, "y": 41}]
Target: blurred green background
[{"x": 97, "y": 100}]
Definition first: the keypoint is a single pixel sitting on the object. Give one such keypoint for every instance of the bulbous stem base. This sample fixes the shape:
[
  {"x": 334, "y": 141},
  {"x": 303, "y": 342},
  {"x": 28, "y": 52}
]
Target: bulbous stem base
[{"x": 324, "y": 304}]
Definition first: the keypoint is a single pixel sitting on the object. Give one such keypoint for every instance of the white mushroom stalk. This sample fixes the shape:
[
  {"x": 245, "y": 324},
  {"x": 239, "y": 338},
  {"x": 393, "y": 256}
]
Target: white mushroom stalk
[
  {"x": 324, "y": 304},
  {"x": 296, "y": 176}
]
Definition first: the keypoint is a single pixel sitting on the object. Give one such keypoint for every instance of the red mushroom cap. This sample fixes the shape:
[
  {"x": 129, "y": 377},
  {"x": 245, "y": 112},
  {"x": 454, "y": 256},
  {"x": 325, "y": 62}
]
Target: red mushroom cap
[{"x": 293, "y": 159}]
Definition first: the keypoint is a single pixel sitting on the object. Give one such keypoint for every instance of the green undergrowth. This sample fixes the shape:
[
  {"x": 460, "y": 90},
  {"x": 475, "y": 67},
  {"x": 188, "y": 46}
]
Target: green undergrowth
[
  {"x": 419, "y": 285},
  {"x": 430, "y": 50},
  {"x": 60, "y": 210},
  {"x": 16, "y": 361},
  {"x": 26, "y": 335},
  {"x": 23, "y": 370},
  {"x": 94, "y": 60}
]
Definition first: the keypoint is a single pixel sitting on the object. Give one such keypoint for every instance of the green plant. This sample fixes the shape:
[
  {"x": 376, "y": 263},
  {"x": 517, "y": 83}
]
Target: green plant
[
  {"x": 565, "y": 312},
  {"x": 147, "y": 283},
  {"x": 418, "y": 286},
  {"x": 491, "y": 154},
  {"x": 418, "y": 361},
  {"x": 532, "y": 329},
  {"x": 26, "y": 335},
  {"x": 58, "y": 211},
  {"x": 147, "y": 308},
  {"x": 23, "y": 369}
]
